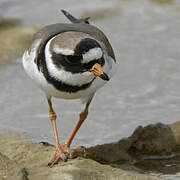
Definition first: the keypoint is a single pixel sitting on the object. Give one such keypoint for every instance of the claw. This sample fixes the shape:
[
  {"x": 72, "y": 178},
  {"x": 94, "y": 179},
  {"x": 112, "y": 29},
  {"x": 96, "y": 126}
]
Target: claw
[{"x": 58, "y": 155}]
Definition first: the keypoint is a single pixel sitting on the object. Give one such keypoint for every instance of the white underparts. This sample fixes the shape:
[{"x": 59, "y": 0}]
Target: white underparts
[{"x": 92, "y": 54}]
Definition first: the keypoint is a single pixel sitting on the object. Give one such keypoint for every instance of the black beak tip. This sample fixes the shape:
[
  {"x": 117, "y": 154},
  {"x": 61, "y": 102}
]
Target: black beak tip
[{"x": 104, "y": 77}]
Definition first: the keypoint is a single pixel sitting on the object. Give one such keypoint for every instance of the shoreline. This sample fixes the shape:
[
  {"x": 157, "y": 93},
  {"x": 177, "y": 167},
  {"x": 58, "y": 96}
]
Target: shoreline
[{"x": 22, "y": 159}]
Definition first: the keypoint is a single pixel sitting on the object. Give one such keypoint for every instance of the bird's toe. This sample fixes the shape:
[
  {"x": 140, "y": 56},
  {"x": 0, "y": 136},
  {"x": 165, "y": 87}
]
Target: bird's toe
[{"x": 58, "y": 155}]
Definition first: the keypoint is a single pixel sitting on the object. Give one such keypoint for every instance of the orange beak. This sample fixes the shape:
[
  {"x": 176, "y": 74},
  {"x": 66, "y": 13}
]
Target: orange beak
[{"x": 98, "y": 72}]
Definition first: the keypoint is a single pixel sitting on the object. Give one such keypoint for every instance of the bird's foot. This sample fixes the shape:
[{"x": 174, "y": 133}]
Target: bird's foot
[
  {"x": 58, "y": 155},
  {"x": 65, "y": 149},
  {"x": 64, "y": 153}
]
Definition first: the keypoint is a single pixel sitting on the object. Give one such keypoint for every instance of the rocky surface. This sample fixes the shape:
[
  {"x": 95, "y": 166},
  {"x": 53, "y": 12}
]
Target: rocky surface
[{"x": 148, "y": 149}]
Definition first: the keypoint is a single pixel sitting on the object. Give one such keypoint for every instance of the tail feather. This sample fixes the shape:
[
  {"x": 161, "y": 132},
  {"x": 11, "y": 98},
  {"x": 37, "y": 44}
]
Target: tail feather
[{"x": 73, "y": 19}]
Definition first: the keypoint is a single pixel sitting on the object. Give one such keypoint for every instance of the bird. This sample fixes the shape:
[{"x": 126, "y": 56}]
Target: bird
[{"x": 69, "y": 61}]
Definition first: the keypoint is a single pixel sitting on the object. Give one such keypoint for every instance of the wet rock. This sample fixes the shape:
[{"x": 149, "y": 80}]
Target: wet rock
[
  {"x": 165, "y": 165},
  {"x": 150, "y": 148},
  {"x": 156, "y": 139},
  {"x": 29, "y": 161},
  {"x": 107, "y": 153},
  {"x": 175, "y": 128}
]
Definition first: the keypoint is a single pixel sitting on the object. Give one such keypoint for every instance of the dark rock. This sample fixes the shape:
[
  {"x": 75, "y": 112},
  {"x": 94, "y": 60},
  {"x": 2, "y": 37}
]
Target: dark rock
[{"x": 156, "y": 139}]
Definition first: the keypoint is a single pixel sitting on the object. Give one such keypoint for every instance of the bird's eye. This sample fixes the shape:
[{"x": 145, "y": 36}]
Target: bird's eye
[
  {"x": 90, "y": 64},
  {"x": 100, "y": 61}
]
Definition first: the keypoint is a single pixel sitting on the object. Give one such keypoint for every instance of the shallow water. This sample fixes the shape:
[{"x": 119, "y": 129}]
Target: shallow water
[{"x": 145, "y": 89}]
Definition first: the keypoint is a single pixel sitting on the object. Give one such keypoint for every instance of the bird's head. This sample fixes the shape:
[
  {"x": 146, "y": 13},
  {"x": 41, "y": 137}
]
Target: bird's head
[
  {"x": 78, "y": 53},
  {"x": 92, "y": 58}
]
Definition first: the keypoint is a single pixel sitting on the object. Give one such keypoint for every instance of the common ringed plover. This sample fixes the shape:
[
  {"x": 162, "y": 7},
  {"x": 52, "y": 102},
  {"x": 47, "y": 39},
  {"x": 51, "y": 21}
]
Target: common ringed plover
[{"x": 69, "y": 61}]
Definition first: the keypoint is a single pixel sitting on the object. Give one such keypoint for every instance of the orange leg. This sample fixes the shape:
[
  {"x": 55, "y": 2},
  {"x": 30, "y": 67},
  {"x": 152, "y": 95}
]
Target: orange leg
[
  {"x": 59, "y": 151},
  {"x": 82, "y": 117}
]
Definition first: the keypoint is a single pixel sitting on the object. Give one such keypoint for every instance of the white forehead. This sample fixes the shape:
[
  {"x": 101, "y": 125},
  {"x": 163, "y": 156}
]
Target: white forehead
[
  {"x": 92, "y": 54},
  {"x": 66, "y": 42},
  {"x": 64, "y": 51}
]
